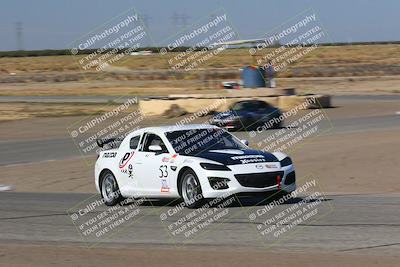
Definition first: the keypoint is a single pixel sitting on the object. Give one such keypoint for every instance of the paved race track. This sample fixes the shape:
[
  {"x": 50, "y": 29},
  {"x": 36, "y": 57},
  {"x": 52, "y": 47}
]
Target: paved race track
[
  {"x": 16, "y": 152},
  {"x": 368, "y": 223}
]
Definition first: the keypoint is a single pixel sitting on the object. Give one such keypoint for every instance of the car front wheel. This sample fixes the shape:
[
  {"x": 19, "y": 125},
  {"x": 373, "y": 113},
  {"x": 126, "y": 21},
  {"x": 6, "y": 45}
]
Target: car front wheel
[{"x": 191, "y": 190}]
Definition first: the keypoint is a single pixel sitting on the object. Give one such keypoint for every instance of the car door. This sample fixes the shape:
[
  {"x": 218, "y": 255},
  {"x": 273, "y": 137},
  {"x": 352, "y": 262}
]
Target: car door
[
  {"x": 153, "y": 168},
  {"x": 251, "y": 108},
  {"x": 260, "y": 112},
  {"x": 266, "y": 112},
  {"x": 127, "y": 173}
]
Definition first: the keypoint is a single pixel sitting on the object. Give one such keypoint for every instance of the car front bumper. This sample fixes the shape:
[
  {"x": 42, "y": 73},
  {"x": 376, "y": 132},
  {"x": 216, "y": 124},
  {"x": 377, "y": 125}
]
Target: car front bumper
[
  {"x": 229, "y": 125},
  {"x": 285, "y": 183}
]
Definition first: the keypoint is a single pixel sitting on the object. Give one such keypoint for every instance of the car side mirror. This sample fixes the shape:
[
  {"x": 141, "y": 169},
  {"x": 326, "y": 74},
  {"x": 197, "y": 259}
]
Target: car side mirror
[
  {"x": 245, "y": 142},
  {"x": 155, "y": 148}
]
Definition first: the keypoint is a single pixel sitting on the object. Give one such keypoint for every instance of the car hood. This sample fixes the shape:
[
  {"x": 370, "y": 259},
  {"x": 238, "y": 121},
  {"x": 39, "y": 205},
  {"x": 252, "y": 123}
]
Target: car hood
[{"x": 237, "y": 156}]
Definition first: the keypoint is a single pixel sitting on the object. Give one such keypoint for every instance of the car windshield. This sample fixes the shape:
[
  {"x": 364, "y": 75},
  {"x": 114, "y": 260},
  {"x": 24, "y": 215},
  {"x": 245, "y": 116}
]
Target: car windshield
[
  {"x": 249, "y": 106},
  {"x": 242, "y": 106},
  {"x": 195, "y": 141}
]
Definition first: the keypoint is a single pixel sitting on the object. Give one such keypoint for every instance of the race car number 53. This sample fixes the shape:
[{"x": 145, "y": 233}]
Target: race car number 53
[{"x": 163, "y": 171}]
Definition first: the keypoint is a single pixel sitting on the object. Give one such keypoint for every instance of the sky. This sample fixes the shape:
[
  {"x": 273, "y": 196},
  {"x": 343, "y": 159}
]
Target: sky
[{"x": 55, "y": 24}]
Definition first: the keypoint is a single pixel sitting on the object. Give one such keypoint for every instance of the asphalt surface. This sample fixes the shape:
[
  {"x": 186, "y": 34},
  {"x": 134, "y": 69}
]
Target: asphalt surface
[
  {"x": 354, "y": 223},
  {"x": 36, "y": 150},
  {"x": 17, "y": 152}
]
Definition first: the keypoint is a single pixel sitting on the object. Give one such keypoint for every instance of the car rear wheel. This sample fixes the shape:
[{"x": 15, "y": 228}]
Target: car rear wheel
[
  {"x": 191, "y": 190},
  {"x": 110, "y": 190}
]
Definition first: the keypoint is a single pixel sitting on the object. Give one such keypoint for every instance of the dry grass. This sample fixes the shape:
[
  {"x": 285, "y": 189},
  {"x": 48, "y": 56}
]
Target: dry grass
[
  {"x": 333, "y": 56},
  {"x": 86, "y": 89},
  {"x": 148, "y": 75},
  {"x": 15, "y": 111},
  {"x": 37, "y": 64}
]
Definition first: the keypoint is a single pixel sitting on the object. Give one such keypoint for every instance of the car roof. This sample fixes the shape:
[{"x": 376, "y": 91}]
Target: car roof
[
  {"x": 171, "y": 128},
  {"x": 249, "y": 100}
]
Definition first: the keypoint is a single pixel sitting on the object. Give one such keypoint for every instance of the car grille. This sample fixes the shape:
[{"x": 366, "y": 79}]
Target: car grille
[{"x": 259, "y": 180}]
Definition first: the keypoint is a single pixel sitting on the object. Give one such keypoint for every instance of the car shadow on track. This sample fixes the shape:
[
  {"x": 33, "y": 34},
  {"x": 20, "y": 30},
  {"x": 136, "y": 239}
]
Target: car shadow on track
[
  {"x": 239, "y": 201},
  {"x": 261, "y": 201}
]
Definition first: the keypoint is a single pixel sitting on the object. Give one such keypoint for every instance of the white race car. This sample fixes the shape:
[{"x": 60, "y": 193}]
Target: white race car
[{"x": 192, "y": 162}]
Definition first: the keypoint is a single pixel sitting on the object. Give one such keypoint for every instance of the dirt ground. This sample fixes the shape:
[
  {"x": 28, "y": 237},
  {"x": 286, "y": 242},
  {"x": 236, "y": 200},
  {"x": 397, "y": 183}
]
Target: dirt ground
[
  {"x": 17, "y": 111},
  {"x": 15, "y": 255},
  {"x": 375, "y": 85}
]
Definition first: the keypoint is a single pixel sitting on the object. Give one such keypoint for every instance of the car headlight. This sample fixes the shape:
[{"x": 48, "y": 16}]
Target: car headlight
[
  {"x": 214, "y": 167},
  {"x": 286, "y": 162}
]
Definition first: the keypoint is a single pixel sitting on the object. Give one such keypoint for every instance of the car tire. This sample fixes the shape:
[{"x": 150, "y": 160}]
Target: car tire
[
  {"x": 191, "y": 192},
  {"x": 109, "y": 189}
]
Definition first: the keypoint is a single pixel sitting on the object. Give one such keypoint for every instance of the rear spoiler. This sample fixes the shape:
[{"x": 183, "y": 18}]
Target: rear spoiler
[{"x": 102, "y": 142}]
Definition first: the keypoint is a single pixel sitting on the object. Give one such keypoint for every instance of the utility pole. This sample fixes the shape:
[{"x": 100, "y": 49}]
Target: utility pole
[
  {"x": 145, "y": 20},
  {"x": 19, "y": 32},
  {"x": 185, "y": 20}
]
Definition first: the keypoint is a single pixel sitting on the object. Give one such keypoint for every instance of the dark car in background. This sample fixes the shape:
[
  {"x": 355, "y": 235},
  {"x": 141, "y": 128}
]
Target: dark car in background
[{"x": 247, "y": 115}]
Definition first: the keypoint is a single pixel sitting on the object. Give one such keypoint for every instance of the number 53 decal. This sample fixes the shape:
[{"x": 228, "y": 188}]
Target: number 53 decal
[{"x": 163, "y": 171}]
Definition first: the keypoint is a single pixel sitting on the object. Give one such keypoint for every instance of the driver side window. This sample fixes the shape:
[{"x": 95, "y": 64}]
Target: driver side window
[
  {"x": 153, "y": 140},
  {"x": 134, "y": 142}
]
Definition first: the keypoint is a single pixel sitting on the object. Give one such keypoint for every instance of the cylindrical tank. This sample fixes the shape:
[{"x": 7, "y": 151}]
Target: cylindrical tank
[{"x": 253, "y": 77}]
